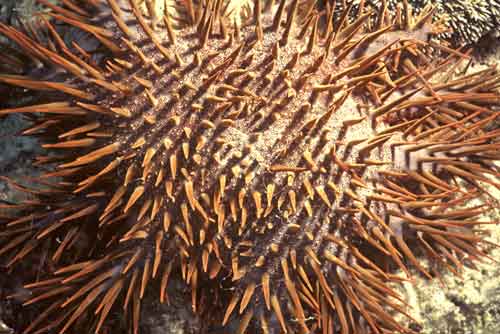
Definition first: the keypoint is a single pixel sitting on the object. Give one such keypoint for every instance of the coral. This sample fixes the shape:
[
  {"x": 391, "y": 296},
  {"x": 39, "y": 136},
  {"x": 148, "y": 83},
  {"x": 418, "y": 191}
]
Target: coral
[
  {"x": 280, "y": 163},
  {"x": 471, "y": 20}
]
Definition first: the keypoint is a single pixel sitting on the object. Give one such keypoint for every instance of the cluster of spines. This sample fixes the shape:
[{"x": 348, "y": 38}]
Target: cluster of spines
[
  {"x": 456, "y": 22},
  {"x": 338, "y": 285}
]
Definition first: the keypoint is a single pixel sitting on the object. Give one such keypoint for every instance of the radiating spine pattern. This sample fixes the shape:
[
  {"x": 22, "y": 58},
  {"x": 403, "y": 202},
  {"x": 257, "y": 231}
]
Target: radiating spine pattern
[{"x": 281, "y": 161}]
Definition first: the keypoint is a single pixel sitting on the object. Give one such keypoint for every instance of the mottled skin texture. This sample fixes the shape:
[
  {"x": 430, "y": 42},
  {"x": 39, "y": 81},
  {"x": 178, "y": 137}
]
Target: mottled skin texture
[{"x": 281, "y": 166}]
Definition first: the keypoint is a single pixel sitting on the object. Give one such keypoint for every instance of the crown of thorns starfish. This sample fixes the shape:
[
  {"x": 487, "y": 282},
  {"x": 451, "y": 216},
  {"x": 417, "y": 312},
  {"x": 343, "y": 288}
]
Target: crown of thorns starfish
[{"x": 292, "y": 157}]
